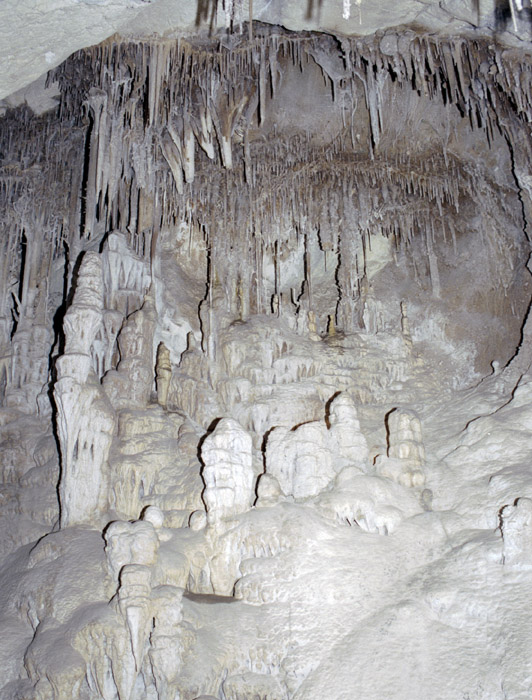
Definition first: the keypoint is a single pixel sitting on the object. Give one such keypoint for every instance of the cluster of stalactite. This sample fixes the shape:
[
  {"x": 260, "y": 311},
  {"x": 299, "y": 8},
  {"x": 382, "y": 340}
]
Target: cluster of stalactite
[
  {"x": 148, "y": 134},
  {"x": 40, "y": 178}
]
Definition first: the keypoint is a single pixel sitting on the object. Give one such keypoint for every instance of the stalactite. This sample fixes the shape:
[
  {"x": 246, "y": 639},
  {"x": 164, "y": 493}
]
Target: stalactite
[{"x": 168, "y": 125}]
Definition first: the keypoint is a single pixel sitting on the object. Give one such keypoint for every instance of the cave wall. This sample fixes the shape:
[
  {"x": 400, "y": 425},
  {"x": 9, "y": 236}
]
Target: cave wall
[{"x": 225, "y": 263}]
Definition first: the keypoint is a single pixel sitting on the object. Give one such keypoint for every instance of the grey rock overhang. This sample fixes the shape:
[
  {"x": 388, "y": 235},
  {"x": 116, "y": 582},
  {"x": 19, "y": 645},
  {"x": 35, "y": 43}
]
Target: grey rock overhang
[
  {"x": 170, "y": 95},
  {"x": 260, "y": 144},
  {"x": 35, "y": 37}
]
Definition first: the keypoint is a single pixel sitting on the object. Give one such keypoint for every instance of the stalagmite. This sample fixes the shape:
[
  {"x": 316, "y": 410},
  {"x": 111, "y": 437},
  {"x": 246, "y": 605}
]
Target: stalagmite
[
  {"x": 133, "y": 602},
  {"x": 131, "y": 383},
  {"x": 130, "y": 543},
  {"x": 300, "y": 459},
  {"x": 242, "y": 265},
  {"x": 352, "y": 447},
  {"x": 86, "y": 421},
  {"x": 163, "y": 371},
  {"x": 405, "y": 456},
  {"x": 227, "y": 472},
  {"x": 166, "y": 639},
  {"x": 404, "y": 437}
]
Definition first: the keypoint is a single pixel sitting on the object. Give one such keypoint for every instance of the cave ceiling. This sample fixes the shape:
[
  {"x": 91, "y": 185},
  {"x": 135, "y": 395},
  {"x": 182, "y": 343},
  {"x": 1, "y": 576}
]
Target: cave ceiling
[
  {"x": 264, "y": 284},
  {"x": 37, "y": 36},
  {"x": 277, "y": 145}
]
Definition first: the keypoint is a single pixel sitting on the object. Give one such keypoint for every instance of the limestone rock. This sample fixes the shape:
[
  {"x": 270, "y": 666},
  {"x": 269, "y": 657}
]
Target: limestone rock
[
  {"x": 405, "y": 458},
  {"x": 130, "y": 543},
  {"x": 163, "y": 372},
  {"x": 166, "y": 639},
  {"x": 268, "y": 490},
  {"x": 132, "y": 381},
  {"x": 85, "y": 419},
  {"x": 516, "y": 527},
  {"x": 300, "y": 459},
  {"x": 306, "y": 459},
  {"x": 227, "y": 252},
  {"x": 404, "y": 437},
  {"x": 227, "y": 472},
  {"x": 351, "y": 445}
]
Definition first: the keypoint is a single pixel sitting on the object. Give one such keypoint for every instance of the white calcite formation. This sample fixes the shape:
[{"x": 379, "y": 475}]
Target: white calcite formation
[
  {"x": 516, "y": 527},
  {"x": 265, "y": 358},
  {"x": 349, "y": 445},
  {"x": 129, "y": 543},
  {"x": 299, "y": 459},
  {"x": 305, "y": 459},
  {"x": 405, "y": 458},
  {"x": 163, "y": 370},
  {"x": 85, "y": 418},
  {"x": 227, "y": 471}
]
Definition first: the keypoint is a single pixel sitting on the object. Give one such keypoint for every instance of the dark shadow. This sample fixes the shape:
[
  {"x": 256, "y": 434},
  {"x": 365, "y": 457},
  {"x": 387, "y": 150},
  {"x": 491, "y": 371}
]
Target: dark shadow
[
  {"x": 106, "y": 528},
  {"x": 206, "y": 11},
  {"x": 305, "y": 422},
  {"x": 313, "y": 5},
  {"x": 503, "y": 15},
  {"x": 58, "y": 346},
  {"x": 263, "y": 452},
  {"x": 500, "y": 514},
  {"x": 521, "y": 344},
  {"x": 57, "y": 321},
  {"x": 328, "y": 409},
  {"x": 208, "y": 598},
  {"x": 85, "y": 174},
  {"x": 387, "y": 426},
  {"x": 58, "y": 349},
  {"x": 104, "y": 239},
  {"x": 210, "y": 429},
  {"x": 263, "y": 446},
  {"x": 16, "y": 309}
]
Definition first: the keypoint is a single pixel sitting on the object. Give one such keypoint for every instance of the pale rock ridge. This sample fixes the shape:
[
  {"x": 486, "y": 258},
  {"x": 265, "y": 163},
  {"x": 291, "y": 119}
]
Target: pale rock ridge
[
  {"x": 163, "y": 374},
  {"x": 374, "y": 503},
  {"x": 227, "y": 471},
  {"x": 108, "y": 287},
  {"x": 86, "y": 420},
  {"x": 516, "y": 528},
  {"x": 405, "y": 457},
  {"x": 305, "y": 459}
]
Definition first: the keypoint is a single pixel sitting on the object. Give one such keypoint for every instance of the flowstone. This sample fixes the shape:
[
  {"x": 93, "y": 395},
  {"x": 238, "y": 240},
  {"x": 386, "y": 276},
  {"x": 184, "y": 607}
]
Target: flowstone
[
  {"x": 225, "y": 259},
  {"x": 405, "y": 457},
  {"x": 227, "y": 472},
  {"x": 86, "y": 420},
  {"x": 516, "y": 527},
  {"x": 304, "y": 460}
]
